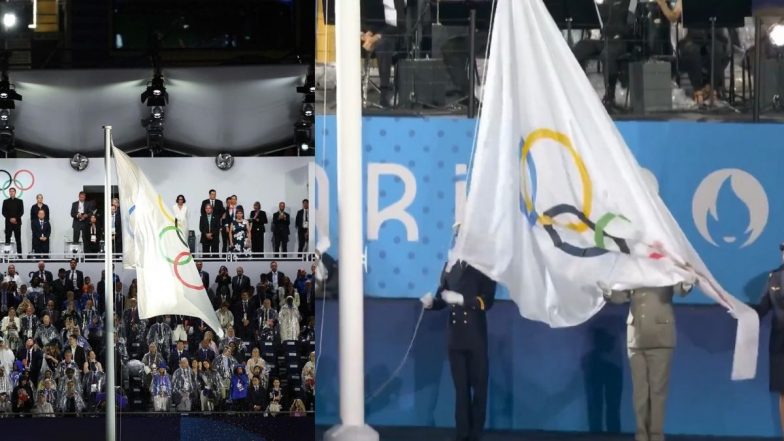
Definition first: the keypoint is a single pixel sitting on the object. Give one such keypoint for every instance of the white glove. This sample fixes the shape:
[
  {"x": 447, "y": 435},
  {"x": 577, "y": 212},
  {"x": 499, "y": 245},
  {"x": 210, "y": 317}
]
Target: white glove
[
  {"x": 427, "y": 300},
  {"x": 451, "y": 297},
  {"x": 606, "y": 291}
]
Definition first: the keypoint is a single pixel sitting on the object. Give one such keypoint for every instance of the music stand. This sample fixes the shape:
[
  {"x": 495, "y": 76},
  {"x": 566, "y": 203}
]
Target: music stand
[
  {"x": 476, "y": 13},
  {"x": 574, "y": 14},
  {"x": 701, "y": 14}
]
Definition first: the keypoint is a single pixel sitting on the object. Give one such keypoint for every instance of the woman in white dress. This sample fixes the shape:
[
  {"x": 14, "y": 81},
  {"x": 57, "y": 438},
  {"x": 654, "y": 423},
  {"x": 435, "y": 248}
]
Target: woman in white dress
[{"x": 180, "y": 211}]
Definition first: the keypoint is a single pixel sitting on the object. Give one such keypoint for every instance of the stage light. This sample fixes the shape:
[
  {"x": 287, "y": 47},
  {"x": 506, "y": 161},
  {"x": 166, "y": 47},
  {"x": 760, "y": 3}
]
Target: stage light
[
  {"x": 307, "y": 110},
  {"x": 79, "y": 162},
  {"x": 157, "y": 112},
  {"x": 304, "y": 146},
  {"x": 9, "y": 20},
  {"x": 224, "y": 161},
  {"x": 5, "y": 114},
  {"x": 776, "y": 35},
  {"x": 156, "y": 94},
  {"x": 599, "y": 2}
]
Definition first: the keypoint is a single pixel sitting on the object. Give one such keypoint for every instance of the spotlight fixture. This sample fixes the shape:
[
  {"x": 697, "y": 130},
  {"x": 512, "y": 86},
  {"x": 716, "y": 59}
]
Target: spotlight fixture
[
  {"x": 776, "y": 35},
  {"x": 307, "y": 110},
  {"x": 5, "y": 114},
  {"x": 224, "y": 161},
  {"x": 9, "y": 20},
  {"x": 79, "y": 162},
  {"x": 155, "y": 94},
  {"x": 303, "y": 135},
  {"x": 157, "y": 112}
]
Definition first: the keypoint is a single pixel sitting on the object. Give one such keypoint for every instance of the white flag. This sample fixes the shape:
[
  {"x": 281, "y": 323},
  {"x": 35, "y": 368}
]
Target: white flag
[
  {"x": 167, "y": 278},
  {"x": 556, "y": 201}
]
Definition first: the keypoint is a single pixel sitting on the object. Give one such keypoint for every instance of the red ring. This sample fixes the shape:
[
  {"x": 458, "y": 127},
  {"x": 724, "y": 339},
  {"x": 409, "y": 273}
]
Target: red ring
[
  {"x": 177, "y": 272},
  {"x": 32, "y": 176}
]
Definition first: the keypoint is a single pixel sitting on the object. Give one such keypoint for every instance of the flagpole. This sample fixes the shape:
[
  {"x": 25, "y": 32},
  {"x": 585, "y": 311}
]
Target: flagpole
[
  {"x": 351, "y": 278},
  {"x": 108, "y": 285}
]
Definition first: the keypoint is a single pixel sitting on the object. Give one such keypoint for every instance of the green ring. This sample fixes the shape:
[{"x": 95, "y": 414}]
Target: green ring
[{"x": 179, "y": 236}]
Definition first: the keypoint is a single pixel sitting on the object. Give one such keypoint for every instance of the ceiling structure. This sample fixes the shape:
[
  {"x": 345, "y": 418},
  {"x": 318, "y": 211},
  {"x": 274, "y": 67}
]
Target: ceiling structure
[{"x": 243, "y": 110}]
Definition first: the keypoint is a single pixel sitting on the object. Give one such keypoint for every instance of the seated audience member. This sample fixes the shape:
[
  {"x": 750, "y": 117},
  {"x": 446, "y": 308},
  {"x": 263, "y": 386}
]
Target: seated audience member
[{"x": 298, "y": 408}]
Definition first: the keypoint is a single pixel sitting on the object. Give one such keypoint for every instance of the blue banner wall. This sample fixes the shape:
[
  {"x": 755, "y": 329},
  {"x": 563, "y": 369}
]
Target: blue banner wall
[{"x": 720, "y": 181}]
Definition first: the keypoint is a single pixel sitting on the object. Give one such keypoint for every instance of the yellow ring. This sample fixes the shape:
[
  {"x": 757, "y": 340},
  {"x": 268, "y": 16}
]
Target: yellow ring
[
  {"x": 561, "y": 138},
  {"x": 163, "y": 210}
]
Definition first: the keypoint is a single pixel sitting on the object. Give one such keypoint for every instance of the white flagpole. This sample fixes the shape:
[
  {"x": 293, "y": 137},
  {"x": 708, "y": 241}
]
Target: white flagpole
[
  {"x": 349, "y": 137},
  {"x": 108, "y": 284}
]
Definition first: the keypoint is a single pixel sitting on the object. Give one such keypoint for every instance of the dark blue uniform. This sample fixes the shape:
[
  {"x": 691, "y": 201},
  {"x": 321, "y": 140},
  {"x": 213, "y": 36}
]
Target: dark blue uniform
[{"x": 468, "y": 345}]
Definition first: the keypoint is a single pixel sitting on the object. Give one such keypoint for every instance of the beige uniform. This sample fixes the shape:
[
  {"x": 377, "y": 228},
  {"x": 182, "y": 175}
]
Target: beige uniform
[{"x": 650, "y": 338}]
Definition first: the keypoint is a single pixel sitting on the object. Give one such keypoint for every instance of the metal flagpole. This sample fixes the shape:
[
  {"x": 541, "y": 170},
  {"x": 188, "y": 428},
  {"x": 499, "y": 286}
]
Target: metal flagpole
[
  {"x": 351, "y": 278},
  {"x": 108, "y": 284}
]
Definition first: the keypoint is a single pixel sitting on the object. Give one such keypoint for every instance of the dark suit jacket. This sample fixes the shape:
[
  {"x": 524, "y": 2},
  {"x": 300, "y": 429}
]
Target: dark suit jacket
[
  {"x": 240, "y": 284},
  {"x": 79, "y": 283},
  {"x": 257, "y": 225},
  {"x": 174, "y": 359},
  {"x": 217, "y": 210},
  {"x": 38, "y": 230},
  {"x": 13, "y": 208},
  {"x": 280, "y": 227},
  {"x": 301, "y": 219},
  {"x": 91, "y": 247},
  {"x": 280, "y": 278},
  {"x": 89, "y": 208},
  {"x": 45, "y": 277},
  {"x": 257, "y": 398},
  {"x": 213, "y": 227},
  {"x": 35, "y": 363},
  {"x": 79, "y": 356},
  {"x": 205, "y": 279},
  {"x": 34, "y": 212},
  {"x": 467, "y": 323}
]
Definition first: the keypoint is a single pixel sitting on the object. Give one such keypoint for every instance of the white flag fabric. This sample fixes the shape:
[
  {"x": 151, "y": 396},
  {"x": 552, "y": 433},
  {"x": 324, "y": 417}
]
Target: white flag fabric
[
  {"x": 167, "y": 278},
  {"x": 556, "y": 200}
]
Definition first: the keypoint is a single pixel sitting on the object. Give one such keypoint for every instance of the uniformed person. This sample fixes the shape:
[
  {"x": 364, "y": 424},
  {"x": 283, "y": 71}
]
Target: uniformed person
[
  {"x": 773, "y": 300},
  {"x": 650, "y": 338},
  {"x": 469, "y": 294}
]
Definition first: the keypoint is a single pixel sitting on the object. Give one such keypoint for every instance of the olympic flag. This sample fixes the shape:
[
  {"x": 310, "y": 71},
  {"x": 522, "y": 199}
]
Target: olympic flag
[
  {"x": 168, "y": 282},
  {"x": 556, "y": 200}
]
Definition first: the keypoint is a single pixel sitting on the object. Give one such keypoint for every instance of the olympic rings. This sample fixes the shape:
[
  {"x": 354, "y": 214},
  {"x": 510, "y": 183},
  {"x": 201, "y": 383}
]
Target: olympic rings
[
  {"x": 547, "y": 219},
  {"x": 177, "y": 271},
  {"x": 13, "y": 182},
  {"x": 160, "y": 243},
  {"x": 561, "y": 138}
]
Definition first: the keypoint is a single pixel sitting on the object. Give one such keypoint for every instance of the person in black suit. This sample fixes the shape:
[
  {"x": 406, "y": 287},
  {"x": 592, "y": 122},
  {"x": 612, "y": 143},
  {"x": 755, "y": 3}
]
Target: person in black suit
[
  {"x": 80, "y": 212},
  {"x": 385, "y": 35},
  {"x": 257, "y": 396},
  {"x": 239, "y": 283},
  {"x": 13, "y": 210},
  {"x": 209, "y": 226},
  {"x": 215, "y": 203},
  {"x": 42, "y": 273},
  {"x": 280, "y": 229},
  {"x": 42, "y": 230},
  {"x": 177, "y": 354},
  {"x": 772, "y": 301},
  {"x": 205, "y": 276},
  {"x": 74, "y": 280},
  {"x": 469, "y": 294},
  {"x": 32, "y": 357},
  {"x": 92, "y": 235},
  {"x": 244, "y": 314},
  {"x": 226, "y": 221},
  {"x": 275, "y": 277},
  {"x": 258, "y": 222},
  {"x": 116, "y": 230},
  {"x": 302, "y": 223},
  {"x": 59, "y": 286},
  {"x": 39, "y": 206},
  {"x": 77, "y": 352}
]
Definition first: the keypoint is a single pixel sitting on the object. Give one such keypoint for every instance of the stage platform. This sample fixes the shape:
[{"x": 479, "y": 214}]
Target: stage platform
[{"x": 440, "y": 434}]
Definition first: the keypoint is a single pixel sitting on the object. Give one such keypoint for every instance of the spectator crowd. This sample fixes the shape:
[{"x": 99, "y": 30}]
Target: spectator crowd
[{"x": 53, "y": 355}]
